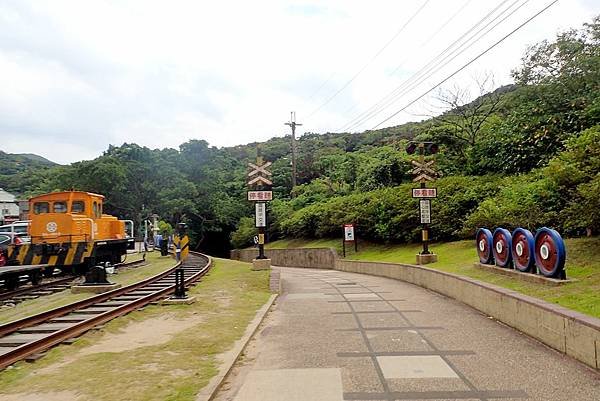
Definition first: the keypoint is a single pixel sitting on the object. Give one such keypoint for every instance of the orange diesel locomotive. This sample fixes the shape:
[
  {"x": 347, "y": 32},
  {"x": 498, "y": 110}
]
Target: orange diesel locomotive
[{"x": 68, "y": 229}]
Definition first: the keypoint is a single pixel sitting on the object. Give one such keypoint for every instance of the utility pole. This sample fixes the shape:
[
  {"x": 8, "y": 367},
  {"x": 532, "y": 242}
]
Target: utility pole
[{"x": 293, "y": 125}]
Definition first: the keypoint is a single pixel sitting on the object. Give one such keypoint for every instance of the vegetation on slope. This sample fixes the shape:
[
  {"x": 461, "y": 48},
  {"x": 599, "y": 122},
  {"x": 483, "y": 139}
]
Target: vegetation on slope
[{"x": 522, "y": 155}]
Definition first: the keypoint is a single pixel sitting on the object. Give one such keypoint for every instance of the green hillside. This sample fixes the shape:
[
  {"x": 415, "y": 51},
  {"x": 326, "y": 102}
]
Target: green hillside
[
  {"x": 19, "y": 173},
  {"x": 523, "y": 155}
]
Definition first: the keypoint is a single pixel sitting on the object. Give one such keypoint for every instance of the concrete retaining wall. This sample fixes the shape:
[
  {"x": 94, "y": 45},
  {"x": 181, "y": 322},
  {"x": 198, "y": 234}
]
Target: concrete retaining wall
[
  {"x": 318, "y": 258},
  {"x": 567, "y": 331}
]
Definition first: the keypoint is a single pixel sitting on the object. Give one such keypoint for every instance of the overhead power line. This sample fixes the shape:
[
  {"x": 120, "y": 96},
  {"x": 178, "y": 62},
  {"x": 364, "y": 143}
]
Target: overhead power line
[
  {"x": 370, "y": 61},
  {"x": 468, "y": 63},
  {"x": 423, "y": 44},
  {"x": 437, "y": 63}
]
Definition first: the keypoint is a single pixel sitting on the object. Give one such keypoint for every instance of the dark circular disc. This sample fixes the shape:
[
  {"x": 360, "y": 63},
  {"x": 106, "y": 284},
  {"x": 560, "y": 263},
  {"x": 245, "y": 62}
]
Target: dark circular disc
[
  {"x": 522, "y": 250},
  {"x": 483, "y": 242},
  {"x": 502, "y": 244}
]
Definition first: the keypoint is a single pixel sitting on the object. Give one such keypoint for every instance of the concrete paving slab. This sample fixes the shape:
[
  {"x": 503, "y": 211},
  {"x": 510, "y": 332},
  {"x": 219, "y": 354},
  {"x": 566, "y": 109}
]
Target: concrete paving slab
[
  {"x": 381, "y": 320},
  {"x": 292, "y": 385},
  {"x": 386, "y": 341},
  {"x": 360, "y": 375},
  {"x": 306, "y": 295},
  {"x": 428, "y": 384},
  {"x": 362, "y": 296},
  {"x": 415, "y": 367},
  {"x": 372, "y": 306}
]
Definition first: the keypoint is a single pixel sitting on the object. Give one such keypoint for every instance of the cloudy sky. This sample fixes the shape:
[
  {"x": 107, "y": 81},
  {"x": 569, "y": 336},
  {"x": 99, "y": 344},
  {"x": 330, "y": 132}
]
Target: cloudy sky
[{"x": 80, "y": 75}]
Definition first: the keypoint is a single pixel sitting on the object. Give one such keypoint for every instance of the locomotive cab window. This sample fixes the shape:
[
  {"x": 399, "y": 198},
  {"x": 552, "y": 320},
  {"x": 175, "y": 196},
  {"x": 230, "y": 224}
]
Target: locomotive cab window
[
  {"x": 78, "y": 207},
  {"x": 59, "y": 207},
  {"x": 97, "y": 210},
  {"x": 41, "y": 207}
]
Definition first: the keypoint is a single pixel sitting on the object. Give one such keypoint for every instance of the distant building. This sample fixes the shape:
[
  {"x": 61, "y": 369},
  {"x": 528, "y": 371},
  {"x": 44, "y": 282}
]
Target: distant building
[
  {"x": 23, "y": 209},
  {"x": 9, "y": 208}
]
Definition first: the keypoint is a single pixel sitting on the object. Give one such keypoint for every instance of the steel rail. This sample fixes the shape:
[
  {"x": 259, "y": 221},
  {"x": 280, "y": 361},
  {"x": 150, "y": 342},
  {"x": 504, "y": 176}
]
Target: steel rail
[
  {"x": 34, "y": 288},
  {"x": 22, "y": 351},
  {"x": 63, "y": 310},
  {"x": 7, "y": 295}
]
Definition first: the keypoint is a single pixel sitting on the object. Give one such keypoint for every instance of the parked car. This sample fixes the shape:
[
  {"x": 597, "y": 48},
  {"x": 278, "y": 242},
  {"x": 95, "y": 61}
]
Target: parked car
[
  {"x": 6, "y": 239},
  {"x": 18, "y": 227}
]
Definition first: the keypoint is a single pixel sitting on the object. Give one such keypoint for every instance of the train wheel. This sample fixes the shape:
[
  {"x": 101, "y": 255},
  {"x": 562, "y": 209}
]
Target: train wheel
[
  {"x": 48, "y": 271},
  {"x": 483, "y": 239},
  {"x": 35, "y": 277},
  {"x": 502, "y": 244},
  {"x": 11, "y": 282},
  {"x": 550, "y": 252},
  {"x": 522, "y": 250}
]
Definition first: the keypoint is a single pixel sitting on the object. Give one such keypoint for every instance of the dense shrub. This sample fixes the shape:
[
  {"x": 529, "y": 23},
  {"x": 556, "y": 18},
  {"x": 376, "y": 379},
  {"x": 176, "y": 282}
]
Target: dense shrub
[{"x": 391, "y": 214}]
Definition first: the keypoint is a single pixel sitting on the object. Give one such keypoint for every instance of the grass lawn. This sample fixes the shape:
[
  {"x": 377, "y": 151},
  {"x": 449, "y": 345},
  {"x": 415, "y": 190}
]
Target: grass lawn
[
  {"x": 156, "y": 264},
  {"x": 583, "y": 264},
  {"x": 226, "y": 301}
]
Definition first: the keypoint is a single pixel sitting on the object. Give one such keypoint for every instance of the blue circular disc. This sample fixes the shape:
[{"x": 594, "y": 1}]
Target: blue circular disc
[
  {"x": 550, "y": 252},
  {"x": 523, "y": 245},
  {"x": 502, "y": 244},
  {"x": 483, "y": 242}
]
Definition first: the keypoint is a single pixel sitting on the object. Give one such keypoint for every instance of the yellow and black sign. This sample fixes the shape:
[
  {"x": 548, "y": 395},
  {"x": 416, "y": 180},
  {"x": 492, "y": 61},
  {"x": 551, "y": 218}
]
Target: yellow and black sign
[{"x": 182, "y": 248}]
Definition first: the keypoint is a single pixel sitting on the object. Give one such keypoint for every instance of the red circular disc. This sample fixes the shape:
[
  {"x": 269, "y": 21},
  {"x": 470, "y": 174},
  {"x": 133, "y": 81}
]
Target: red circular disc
[
  {"x": 520, "y": 245},
  {"x": 501, "y": 248},
  {"x": 483, "y": 248},
  {"x": 546, "y": 252}
]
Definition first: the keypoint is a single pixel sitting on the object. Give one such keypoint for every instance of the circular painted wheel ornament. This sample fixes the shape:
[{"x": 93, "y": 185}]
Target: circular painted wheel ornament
[
  {"x": 522, "y": 250},
  {"x": 51, "y": 227},
  {"x": 483, "y": 239},
  {"x": 502, "y": 241},
  {"x": 550, "y": 252}
]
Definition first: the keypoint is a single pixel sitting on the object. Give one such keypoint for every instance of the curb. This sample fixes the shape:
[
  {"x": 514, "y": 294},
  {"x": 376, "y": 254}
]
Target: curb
[{"x": 231, "y": 356}]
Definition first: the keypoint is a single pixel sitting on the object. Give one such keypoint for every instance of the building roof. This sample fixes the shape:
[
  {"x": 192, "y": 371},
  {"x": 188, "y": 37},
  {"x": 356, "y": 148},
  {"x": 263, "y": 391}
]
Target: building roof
[{"x": 6, "y": 197}]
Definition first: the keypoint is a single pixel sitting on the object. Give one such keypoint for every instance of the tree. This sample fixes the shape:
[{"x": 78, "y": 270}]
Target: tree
[{"x": 462, "y": 124}]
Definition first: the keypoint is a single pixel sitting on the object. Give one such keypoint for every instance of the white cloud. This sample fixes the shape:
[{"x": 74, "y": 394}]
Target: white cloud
[{"x": 77, "y": 76}]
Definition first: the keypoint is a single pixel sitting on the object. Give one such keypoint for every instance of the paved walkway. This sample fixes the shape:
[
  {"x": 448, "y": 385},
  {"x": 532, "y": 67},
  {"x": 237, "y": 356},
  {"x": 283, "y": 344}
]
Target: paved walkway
[{"x": 341, "y": 336}]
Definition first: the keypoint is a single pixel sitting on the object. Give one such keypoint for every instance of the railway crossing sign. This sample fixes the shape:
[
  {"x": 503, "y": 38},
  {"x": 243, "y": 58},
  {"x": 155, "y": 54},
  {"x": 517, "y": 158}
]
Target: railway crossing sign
[
  {"x": 258, "y": 177},
  {"x": 425, "y": 167},
  {"x": 258, "y": 173},
  {"x": 260, "y": 180},
  {"x": 259, "y": 169},
  {"x": 423, "y": 170}
]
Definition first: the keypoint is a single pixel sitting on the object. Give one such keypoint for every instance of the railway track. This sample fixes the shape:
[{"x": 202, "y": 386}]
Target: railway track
[
  {"x": 48, "y": 287},
  {"x": 25, "y": 337}
]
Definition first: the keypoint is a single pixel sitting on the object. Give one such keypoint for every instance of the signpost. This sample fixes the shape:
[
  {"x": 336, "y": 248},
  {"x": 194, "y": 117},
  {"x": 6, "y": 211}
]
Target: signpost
[
  {"x": 261, "y": 214},
  {"x": 258, "y": 179},
  {"x": 349, "y": 237},
  {"x": 424, "y": 192},
  {"x": 424, "y": 172},
  {"x": 425, "y": 211},
  {"x": 260, "y": 196}
]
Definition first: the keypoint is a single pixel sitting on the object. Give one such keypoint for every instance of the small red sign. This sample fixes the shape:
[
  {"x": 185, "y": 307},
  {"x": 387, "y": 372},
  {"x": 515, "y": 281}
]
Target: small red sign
[{"x": 424, "y": 192}]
